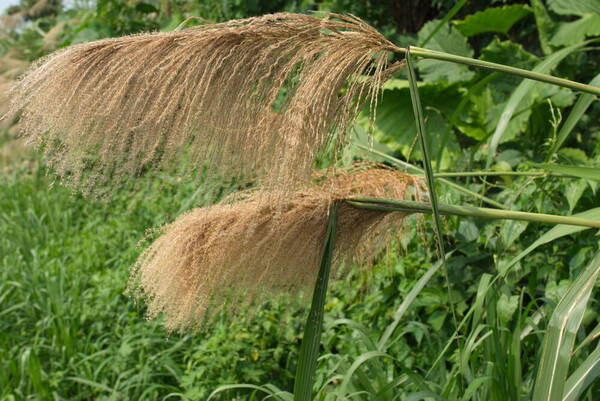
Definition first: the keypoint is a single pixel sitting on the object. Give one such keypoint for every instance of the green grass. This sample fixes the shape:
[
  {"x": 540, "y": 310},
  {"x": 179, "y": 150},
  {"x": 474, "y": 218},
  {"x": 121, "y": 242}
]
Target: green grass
[{"x": 68, "y": 332}]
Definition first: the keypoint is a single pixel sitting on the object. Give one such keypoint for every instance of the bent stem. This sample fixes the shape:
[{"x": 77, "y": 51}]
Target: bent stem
[
  {"x": 390, "y": 205},
  {"x": 309, "y": 350},
  {"x": 437, "y": 55},
  {"x": 414, "y": 169}
]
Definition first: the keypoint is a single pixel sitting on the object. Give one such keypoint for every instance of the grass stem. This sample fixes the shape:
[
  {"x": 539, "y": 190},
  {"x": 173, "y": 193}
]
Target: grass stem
[
  {"x": 437, "y": 55},
  {"x": 411, "y": 168},
  {"x": 467, "y": 211}
]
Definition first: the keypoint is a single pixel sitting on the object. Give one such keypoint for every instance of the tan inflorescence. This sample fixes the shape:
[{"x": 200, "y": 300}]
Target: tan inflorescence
[
  {"x": 233, "y": 254},
  {"x": 263, "y": 95}
]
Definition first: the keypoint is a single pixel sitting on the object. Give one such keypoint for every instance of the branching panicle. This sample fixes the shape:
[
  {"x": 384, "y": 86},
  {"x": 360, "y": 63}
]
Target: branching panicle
[
  {"x": 238, "y": 252},
  {"x": 261, "y": 96}
]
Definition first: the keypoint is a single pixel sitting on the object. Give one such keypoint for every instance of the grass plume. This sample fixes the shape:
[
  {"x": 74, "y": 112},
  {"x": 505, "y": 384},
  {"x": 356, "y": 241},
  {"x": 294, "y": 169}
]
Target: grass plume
[
  {"x": 232, "y": 254},
  {"x": 261, "y": 96}
]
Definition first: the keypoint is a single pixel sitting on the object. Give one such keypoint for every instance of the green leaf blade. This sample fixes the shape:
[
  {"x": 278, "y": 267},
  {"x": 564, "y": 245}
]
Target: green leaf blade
[{"x": 561, "y": 333}]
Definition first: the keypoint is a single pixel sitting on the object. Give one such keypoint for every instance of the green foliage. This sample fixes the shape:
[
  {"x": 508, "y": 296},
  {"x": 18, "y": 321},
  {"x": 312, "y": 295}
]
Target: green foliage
[
  {"x": 448, "y": 40},
  {"x": 560, "y": 337},
  {"x": 70, "y": 332},
  {"x": 494, "y": 19},
  {"x": 574, "y": 7},
  {"x": 574, "y": 32}
]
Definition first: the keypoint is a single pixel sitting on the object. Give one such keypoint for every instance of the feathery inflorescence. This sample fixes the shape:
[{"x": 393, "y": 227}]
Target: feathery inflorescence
[
  {"x": 260, "y": 96},
  {"x": 234, "y": 254}
]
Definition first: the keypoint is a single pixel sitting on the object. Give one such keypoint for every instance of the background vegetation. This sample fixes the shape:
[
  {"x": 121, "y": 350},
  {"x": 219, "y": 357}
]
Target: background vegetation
[{"x": 67, "y": 331}]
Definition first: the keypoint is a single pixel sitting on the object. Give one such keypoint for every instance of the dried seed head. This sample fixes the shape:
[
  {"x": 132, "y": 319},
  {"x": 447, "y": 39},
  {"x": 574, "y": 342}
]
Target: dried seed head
[
  {"x": 261, "y": 95},
  {"x": 234, "y": 254}
]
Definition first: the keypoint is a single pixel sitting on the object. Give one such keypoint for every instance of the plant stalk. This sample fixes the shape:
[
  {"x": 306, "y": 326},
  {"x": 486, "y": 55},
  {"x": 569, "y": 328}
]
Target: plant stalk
[
  {"x": 421, "y": 133},
  {"x": 414, "y": 169},
  {"x": 390, "y": 205},
  {"x": 459, "y": 174},
  {"x": 437, "y": 55}
]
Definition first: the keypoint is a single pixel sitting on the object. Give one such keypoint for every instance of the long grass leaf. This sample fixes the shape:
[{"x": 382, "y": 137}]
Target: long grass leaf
[
  {"x": 580, "y": 107},
  {"x": 522, "y": 90},
  {"x": 585, "y": 374},
  {"x": 560, "y": 335},
  {"x": 556, "y": 232},
  {"x": 414, "y": 169},
  {"x": 407, "y": 302},
  {"x": 277, "y": 395},
  {"x": 588, "y": 173},
  {"x": 365, "y": 357},
  {"x": 593, "y": 335},
  {"x": 309, "y": 350},
  {"x": 361, "y": 329},
  {"x": 424, "y": 395}
]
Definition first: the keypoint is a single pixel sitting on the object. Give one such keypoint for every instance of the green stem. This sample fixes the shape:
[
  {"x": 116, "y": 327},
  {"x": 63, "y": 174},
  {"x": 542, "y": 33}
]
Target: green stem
[
  {"x": 309, "y": 350},
  {"x": 390, "y": 205},
  {"x": 437, "y": 55},
  {"x": 429, "y": 176},
  {"x": 420, "y": 123},
  {"x": 414, "y": 169},
  {"x": 500, "y": 173}
]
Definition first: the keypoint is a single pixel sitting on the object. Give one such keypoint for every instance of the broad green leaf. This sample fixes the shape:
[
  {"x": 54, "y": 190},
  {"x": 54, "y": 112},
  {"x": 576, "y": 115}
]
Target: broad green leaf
[
  {"x": 560, "y": 335},
  {"x": 573, "y": 192},
  {"x": 525, "y": 88},
  {"x": 574, "y": 32},
  {"x": 544, "y": 25},
  {"x": 574, "y": 7},
  {"x": 449, "y": 15},
  {"x": 509, "y": 53},
  {"x": 582, "y": 104},
  {"x": 395, "y": 123},
  {"x": 574, "y": 155},
  {"x": 468, "y": 230},
  {"x": 506, "y": 307},
  {"x": 493, "y": 19},
  {"x": 437, "y": 319},
  {"x": 559, "y": 97},
  {"x": 511, "y": 230},
  {"x": 556, "y": 290},
  {"x": 588, "y": 173},
  {"x": 516, "y": 125},
  {"x": 585, "y": 374},
  {"x": 448, "y": 40},
  {"x": 146, "y": 8}
]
